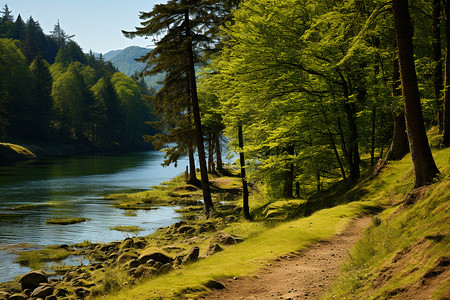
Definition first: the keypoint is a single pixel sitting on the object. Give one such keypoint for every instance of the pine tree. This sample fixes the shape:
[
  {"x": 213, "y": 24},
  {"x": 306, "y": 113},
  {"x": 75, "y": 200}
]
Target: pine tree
[{"x": 7, "y": 16}]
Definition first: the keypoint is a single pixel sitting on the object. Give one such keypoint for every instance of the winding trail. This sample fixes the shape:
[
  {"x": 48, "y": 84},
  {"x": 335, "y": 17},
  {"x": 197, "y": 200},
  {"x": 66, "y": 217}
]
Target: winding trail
[{"x": 306, "y": 275}]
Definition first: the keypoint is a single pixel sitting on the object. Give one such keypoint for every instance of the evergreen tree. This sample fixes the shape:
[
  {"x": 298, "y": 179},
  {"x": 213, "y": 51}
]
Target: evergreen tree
[
  {"x": 6, "y": 15},
  {"x": 42, "y": 89}
]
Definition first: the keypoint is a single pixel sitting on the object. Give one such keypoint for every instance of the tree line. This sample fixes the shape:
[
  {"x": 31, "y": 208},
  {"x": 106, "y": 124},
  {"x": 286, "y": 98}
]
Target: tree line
[
  {"x": 50, "y": 91},
  {"x": 309, "y": 93}
]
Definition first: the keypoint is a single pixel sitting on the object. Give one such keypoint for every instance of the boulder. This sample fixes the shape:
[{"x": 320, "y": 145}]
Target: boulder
[
  {"x": 192, "y": 255},
  {"x": 214, "y": 285},
  {"x": 127, "y": 243},
  {"x": 144, "y": 271},
  {"x": 186, "y": 229},
  {"x": 206, "y": 227},
  {"x": 165, "y": 268},
  {"x": 212, "y": 248},
  {"x": 226, "y": 239},
  {"x": 155, "y": 255},
  {"x": 18, "y": 296},
  {"x": 33, "y": 279},
  {"x": 4, "y": 295},
  {"x": 133, "y": 263},
  {"x": 82, "y": 292},
  {"x": 42, "y": 291},
  {"x": 126, "y": 256},
  {"x": 61, "y": 292}
]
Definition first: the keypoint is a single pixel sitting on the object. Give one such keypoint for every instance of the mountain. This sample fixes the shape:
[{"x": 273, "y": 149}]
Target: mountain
[{"x": 124, "y": 61}]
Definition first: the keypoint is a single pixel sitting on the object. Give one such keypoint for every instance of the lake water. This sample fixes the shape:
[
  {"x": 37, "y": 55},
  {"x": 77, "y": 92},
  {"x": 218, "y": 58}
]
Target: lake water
[{"x": 33, "y": 191}]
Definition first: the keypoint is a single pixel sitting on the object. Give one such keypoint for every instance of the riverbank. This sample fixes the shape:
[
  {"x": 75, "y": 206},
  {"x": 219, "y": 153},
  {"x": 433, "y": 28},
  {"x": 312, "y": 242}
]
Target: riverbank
[
  {"x": 10, "y": 153},
  {"x": 404, "y": 251}
]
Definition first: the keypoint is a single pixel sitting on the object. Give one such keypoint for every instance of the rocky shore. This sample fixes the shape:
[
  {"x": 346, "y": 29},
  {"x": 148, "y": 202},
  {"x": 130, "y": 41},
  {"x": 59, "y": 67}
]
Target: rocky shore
[{"x": 122, "y": 263}]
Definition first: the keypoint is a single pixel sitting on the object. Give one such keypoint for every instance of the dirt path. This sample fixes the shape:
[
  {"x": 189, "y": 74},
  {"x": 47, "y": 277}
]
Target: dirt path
[{"x": 306, "y": 275}]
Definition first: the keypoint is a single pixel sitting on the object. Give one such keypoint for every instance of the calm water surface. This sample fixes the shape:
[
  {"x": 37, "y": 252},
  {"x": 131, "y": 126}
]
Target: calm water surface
[{"x": 32, "y": 192}]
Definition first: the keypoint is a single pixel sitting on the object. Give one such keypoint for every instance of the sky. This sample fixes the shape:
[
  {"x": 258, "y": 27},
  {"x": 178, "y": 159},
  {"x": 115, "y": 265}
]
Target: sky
[{"x": 96, "y": 24}]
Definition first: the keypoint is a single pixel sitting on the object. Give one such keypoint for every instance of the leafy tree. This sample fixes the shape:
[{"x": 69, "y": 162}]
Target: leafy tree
[
  {"x": 59, "y": 35},
  {"x": 425, "y": 169}
]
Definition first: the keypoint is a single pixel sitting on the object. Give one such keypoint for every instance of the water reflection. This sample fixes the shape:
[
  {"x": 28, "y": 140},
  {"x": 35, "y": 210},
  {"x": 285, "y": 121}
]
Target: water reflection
[{"x": 34, "y": 191}]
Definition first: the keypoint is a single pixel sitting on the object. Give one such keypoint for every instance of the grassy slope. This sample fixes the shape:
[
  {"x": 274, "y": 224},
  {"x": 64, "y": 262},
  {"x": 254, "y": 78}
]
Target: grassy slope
[
  {"x": 405, "y": 253},
  {"x": 397, "y": 229}
]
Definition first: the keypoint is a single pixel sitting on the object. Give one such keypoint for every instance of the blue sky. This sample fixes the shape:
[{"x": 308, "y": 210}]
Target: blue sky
[{"x": 96, "y": 24}]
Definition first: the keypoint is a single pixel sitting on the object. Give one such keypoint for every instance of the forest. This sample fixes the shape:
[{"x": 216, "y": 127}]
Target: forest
[
  {"x": 52, "y": 92},
  {"x": 308, "y": 93}
]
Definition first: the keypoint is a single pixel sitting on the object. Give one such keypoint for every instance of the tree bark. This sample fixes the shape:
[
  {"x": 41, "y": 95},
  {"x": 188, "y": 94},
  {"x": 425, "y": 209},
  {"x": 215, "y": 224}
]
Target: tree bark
[
  {"x": 372, "y": 146},
  {"x": 436, "y": 45},
  {"x": 244, "y": 180},
  {"x": 289, "y": 176},
  {"x": 399, "y": 145},
  {"x": 446, "y": 115},
  {"x": 207, "y": 200},
  {"x": 219, "y": 162},
  {"x": 425, "y": 169}
]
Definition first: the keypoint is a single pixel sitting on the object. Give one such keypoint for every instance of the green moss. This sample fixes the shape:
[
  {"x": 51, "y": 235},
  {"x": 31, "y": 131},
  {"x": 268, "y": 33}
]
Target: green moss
[
  {"x": 36, "y": 258},
  {"x": 66, "y": 221},
  {"x": 127, "y": 228}
]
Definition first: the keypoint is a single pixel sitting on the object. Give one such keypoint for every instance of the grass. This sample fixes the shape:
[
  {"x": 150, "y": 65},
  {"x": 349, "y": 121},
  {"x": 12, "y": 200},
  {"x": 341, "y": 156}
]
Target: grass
[
  {"x": 36, "y": 258},
  {"x": 263, "y": 242},
  {"x": 405, "y": 242},
  {"x": 66, "y": 221},
  {"x": 395, "y": 229},
  {"x": 127, "y": 228}
]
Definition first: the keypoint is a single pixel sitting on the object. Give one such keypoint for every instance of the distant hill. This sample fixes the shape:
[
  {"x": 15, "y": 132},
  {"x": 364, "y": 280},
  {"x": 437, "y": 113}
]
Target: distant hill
[{"x": 124, "y": 61}]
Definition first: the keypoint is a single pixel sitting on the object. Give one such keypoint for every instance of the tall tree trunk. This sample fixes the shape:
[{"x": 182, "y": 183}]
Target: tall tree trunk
[
  {"x": 354, "y": 159},
  {"x": 211, "y": 166},
  {"x": 425, "y": 169},
  {"x": 336, "y": 153},
  {"x": 446, "y": 116},
  {"x": 372, "y": 146},
  {"x": 436, "y": 45},
  {"x": 207, "y": 200},
  {"x": 399, "y": 145},
  {"x": 219, "y": 163},
  {"x": 289, "y": 176},
  {"x": 192, "y": 172},
  {"x": 244, "y": 180}
]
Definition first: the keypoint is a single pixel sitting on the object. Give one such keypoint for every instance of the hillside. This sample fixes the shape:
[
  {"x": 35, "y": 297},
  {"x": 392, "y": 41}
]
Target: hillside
[{"x": 124, "y": 61}]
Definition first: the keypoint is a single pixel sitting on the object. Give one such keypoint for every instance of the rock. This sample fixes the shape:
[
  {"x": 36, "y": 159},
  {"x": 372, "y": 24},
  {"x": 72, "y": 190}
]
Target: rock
[
  {"x": 127, "y": 243},
  {"x": 155, "y": 255},
  {"x": 126, "y": 256},
  {"x": 32, "y": 279},
  {"x": 165, "y": 268},
  {"x": 206, "y": 227},
  {"x": 28, "y": 292},
  {"x": 226, "y": 239},
  {"x": 214, "y": 285},
  {"x": 113, "y": 256},
  {"x": 18, "y": 296},
  {"x": 4, "y": 295},
  {"x": 82, "y": 292},
  {"x": 133, "y": 263},
  {"x": 186, "y": 229},
  {"x": 42, "y": 291},
  {"x": 212, "y": 248},
  {"x": 140, "y": 244},
  {"x": 192, "y": 255},
  {"x": 61, "y": 292},
  {"x": 110, "y": 247},
  {"x": 51, "y": 297},
  {"x": 157, "y": 265},
  {"x": 144, "y": 271}
]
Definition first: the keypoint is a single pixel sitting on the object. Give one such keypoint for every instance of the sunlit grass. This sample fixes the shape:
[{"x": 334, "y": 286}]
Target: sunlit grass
[{"x": 66, "y": 221}]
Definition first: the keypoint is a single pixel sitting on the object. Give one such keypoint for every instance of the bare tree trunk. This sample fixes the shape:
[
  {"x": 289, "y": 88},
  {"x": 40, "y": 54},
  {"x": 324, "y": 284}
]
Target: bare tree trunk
[
  {"x": 372, "y": 148},
  {"x": 399, "y": 145},
  {"x": 446, "y": 116},
  {"x": 207, "y": 200},
  {"x": 289, "y": 176},
  {"x": 244, "y": 180},
  {"x": 219, "y": 162},
  {"x": 211, "y": 166},
  {"x": 436, "y": 44},
  {"x": 425, "y": 169}
]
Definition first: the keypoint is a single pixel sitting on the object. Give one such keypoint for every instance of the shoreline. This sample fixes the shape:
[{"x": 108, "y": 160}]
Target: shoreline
[{"x": 11, "y": 153}]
